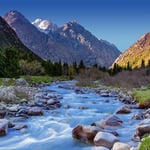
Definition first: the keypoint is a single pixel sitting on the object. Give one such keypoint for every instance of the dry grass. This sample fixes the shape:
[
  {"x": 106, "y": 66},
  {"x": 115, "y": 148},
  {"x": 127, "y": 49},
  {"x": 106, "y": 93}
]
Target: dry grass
[
  {"x": 128, "y": 79},
  {"x": 87, "y": 77}
]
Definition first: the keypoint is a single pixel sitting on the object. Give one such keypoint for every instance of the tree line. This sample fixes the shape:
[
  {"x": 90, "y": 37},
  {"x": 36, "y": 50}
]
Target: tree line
[{"x": 14, "y": 63}]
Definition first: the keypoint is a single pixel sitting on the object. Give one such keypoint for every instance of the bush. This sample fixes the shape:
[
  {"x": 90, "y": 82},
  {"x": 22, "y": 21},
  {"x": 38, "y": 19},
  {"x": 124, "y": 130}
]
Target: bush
[
  {"x": 31, "y": 68},
  {"x": 128, "y": 79},
  {"x": 86, "y": 77}
]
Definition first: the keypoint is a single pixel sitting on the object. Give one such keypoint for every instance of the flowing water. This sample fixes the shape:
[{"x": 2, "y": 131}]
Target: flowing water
[{"x": 53, "y": 131}]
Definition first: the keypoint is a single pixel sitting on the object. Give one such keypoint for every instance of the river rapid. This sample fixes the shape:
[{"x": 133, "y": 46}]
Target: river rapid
[{"x": 53, "y": 131}]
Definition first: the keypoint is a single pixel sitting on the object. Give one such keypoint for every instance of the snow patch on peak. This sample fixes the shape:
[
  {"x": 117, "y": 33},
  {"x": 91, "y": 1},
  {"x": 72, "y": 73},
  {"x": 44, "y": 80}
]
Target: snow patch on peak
[{"x": 45, "y": 25}]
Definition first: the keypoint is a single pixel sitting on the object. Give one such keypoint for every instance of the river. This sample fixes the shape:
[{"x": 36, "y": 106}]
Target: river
[{"x": 53, "y": 131}]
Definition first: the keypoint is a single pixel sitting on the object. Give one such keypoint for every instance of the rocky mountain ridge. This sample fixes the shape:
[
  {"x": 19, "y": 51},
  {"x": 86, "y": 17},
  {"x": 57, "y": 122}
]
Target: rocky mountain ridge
[{"x": 70, "y": 43}]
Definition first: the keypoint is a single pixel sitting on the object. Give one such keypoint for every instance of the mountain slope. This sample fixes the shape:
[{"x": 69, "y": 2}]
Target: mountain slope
[
  {"x": 136, "y": 53},
  {"x": 69, "y": 43},
  {"x": 12, "y": 51},
  {"x": 8, "y": 38}
]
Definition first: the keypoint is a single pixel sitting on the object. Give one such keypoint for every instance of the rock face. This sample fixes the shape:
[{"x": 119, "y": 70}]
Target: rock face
[
  {"x": 136, "y": 53},
  {"x": 69, "y": 43}
]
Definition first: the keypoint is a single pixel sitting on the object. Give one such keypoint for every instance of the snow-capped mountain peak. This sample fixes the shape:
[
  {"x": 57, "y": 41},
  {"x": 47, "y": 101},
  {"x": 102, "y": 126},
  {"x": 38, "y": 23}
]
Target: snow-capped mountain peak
[{"x": 44, "y": 25}]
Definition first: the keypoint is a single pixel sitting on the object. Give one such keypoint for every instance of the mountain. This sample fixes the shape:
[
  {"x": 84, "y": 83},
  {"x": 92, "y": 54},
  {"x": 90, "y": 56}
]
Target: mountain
[
  {"x": 138, "y": 52},
  {"x": 12, "y": 52},
  {"x": 69, "y": 43},
  {"x": 84, "y": 45},
  {"x": 8, "y": 38},
  {"x": 45, "y": 25}
]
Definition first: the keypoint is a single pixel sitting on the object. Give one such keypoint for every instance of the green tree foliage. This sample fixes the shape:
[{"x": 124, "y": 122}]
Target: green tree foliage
[
  {"x": 9, "y": 62},
  {"x": 81, "y": 65}
]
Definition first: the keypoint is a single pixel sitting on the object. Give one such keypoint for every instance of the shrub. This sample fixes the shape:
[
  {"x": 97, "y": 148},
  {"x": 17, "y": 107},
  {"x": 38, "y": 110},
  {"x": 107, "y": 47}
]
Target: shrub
[
  {"x": 86, "y": 77},
  {"x": 31, "y": 68}
]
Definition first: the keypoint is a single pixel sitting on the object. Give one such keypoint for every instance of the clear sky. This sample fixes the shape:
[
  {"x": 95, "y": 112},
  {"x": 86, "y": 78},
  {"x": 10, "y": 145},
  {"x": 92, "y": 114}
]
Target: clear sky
[{"x": 121, "y": 22}]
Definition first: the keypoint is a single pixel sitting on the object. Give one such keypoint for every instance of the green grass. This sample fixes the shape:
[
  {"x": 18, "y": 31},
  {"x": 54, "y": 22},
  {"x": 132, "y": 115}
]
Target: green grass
[
  {"x": 37, "y": 79},
  {"x": 43, "y": 79},
  {"x": 141, "y": 95},
  {"x": 145, "y": 144}
]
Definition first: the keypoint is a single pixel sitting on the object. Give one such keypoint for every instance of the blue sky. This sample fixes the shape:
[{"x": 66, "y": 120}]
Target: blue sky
[{"x": 121, "y": 22}]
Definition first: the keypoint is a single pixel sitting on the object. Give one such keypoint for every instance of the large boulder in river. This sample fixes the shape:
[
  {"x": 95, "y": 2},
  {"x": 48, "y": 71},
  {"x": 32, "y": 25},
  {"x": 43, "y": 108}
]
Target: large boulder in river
[
  {"x": 3, "y": 126},
  {"x": 120, "y": 146},
  {"x": 85, "y": 134},
  {"x": 35, "y": 111},
  {"x": 105, "y": 139},
  {"x": 110, "y": 122}
]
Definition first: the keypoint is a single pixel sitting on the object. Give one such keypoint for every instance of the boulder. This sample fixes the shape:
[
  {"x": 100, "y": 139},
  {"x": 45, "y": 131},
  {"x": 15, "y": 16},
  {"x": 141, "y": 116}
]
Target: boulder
[
  {"x": 138, "y": 116},
  {"x": 35, "y": 111},
  {"x": 145, "y": 104},
  {"x": 2, "y": 113},
  {"x": 120, "y": 146},
  {"x": 21, "y": 82},
  {"x": 110, "y": 122},
  {"x": 143, "y": 129},
  {"x": 100, "y": 148},
  {"x": 3, "y": 126},
  {"x": 105, "y": 139},
  {"x": 85, "y": 134},
  {"x": 19, "y": 126},
  {"x": 123, "y": 110}
]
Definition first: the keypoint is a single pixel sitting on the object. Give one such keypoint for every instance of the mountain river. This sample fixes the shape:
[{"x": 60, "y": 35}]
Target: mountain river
[{"x": 53, "y": 131}]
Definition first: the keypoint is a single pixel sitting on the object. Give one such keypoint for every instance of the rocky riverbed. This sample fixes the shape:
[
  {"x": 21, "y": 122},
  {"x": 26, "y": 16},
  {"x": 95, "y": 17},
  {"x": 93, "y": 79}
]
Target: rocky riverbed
[{"x": 51, "y": 114}]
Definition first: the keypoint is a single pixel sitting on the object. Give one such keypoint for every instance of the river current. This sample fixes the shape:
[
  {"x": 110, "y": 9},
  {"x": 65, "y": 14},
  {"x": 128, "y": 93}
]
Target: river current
[{"x": 53, "y": 131}]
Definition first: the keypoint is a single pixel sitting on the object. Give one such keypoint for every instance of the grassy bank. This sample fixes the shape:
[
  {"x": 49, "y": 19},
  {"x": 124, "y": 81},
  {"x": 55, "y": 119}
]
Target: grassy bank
[
  {"x": 142, "y": 97},
  {"x": 33, "y": 80}
]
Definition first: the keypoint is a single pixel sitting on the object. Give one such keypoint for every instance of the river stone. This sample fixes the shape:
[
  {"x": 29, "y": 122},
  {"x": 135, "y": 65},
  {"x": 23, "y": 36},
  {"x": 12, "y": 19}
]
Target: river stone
[
  {"x": 35, "y": 111},
  {"x": 123, "y": 110},
  {"x": 105, "y": 139},
  {"x": 19, "y": 126},
  {"x": 143, "y": 129},
  {"x": 110, "y": 122},
  {"x": 145, "y": 104},
  {"x": 138, "y": 116},
  {"x": 85, "y": 134},
  {"x": 13, "y": 108},
  {"x": 21, "y": 82},
  {"x": 100, "y": 148},
  {"x": 2, "y": 114},
  {"x": 3, "y": 126},
  {"x": 120, "y": 146}
]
